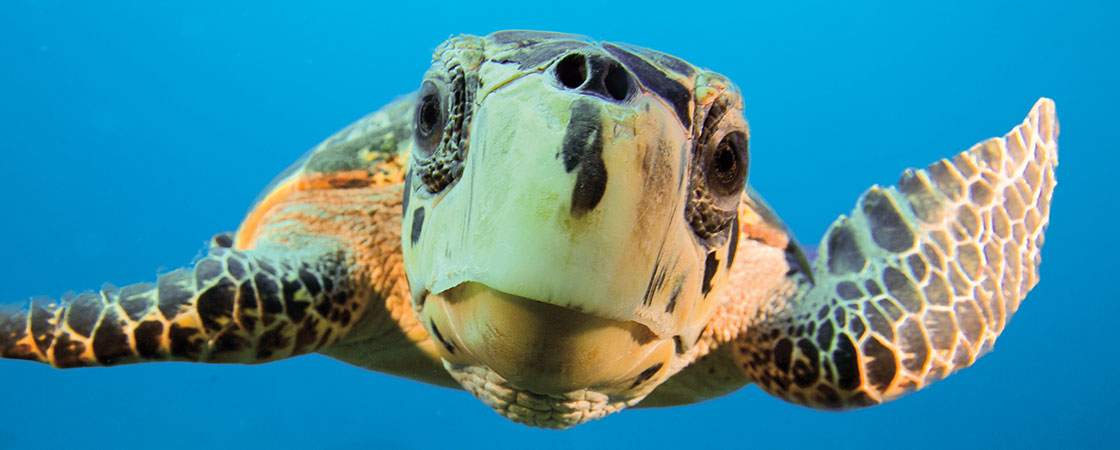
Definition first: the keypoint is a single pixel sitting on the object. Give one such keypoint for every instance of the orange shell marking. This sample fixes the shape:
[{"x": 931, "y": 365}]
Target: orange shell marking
[{"x": 389, "y": 172}]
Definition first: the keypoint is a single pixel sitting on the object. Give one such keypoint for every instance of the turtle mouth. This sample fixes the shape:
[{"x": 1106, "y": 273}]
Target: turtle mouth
[{"x": 541, "y": 347}]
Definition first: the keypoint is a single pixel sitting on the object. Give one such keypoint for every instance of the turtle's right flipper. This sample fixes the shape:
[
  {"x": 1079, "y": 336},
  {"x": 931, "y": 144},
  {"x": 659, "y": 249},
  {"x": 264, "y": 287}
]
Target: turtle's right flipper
[
  {"x": 231, "y": 307},
  {"x": 918, "y": 282}
]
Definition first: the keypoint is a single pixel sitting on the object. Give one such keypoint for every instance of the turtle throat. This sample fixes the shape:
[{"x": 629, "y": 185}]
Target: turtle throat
[{"x": 543, "y": 348}]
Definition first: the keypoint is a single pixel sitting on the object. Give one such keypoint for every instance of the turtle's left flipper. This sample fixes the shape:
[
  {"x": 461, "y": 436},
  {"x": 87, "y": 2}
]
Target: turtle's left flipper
[
  {"x": 232, "y": 306},
  {"x": 918, "y": 282}
]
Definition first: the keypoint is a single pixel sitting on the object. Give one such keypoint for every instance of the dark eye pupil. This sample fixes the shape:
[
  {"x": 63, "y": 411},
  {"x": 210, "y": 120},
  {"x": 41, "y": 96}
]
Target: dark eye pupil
[
  {"x": 727, "y": 168},
  {"x": 725, "y": 163},
  {"x": 429, "y": 114}
]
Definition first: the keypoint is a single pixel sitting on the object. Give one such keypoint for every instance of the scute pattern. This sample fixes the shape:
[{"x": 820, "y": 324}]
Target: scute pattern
[
  {"x": 233, "y": 307},
  {"x": 918, "y": 282}
]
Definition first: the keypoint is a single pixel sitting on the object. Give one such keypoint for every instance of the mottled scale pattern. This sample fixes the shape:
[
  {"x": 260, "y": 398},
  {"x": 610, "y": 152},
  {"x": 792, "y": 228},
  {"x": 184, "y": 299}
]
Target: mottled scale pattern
[
  {"x": 918, "y": 282},
  {"x": 529, "y": 408},
  {"x": 231, "y": 307}
]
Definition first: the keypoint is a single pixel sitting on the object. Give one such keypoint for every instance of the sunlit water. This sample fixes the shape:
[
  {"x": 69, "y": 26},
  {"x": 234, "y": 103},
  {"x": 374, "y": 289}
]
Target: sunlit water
[{"x": 130, "y": 133}]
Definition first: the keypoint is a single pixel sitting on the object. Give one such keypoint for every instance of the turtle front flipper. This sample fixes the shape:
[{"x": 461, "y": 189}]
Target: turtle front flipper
[
  {"x": 918, "y": 282},
  {"x": 231, "y": 307}
]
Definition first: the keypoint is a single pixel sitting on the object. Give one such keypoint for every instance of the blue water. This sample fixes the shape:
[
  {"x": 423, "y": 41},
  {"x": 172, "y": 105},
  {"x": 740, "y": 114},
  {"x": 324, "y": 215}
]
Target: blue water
[{"x": 130, "y": 132}]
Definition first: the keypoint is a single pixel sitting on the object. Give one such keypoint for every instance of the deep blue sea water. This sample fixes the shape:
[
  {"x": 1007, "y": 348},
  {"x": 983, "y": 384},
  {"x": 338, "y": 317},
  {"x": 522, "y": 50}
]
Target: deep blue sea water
[{"x": 130, "y": 132}]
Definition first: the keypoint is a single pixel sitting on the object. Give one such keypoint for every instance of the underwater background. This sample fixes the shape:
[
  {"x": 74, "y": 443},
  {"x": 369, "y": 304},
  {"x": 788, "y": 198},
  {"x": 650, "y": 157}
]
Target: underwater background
[{"x": 131, "y": 131}]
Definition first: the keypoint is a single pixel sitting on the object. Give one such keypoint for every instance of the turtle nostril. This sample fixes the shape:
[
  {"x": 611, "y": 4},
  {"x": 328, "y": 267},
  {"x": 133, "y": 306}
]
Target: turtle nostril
[
  {"x": 572, "y": 70},
  {"x": 617, "y": 82}
]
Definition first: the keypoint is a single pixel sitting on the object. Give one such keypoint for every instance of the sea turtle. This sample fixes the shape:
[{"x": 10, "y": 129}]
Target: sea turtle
[{"x": 563, "y": 228}]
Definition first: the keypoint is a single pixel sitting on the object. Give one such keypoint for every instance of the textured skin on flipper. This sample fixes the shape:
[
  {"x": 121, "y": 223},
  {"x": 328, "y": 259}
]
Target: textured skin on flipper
[
  {"x": 232, "y": 306},
  {"x": 765, "y": 256},
  {"x": 316, "y": 266},
  {"x": 918, "y": 282}
]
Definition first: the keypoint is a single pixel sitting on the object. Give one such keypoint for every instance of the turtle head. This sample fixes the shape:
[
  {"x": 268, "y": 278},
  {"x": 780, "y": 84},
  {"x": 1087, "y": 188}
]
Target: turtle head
[{"x": 569, "y": 216}]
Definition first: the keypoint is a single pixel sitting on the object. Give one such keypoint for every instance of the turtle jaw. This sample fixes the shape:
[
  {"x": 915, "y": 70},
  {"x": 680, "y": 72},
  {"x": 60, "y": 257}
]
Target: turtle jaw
[{"x": 543, "y": 348}]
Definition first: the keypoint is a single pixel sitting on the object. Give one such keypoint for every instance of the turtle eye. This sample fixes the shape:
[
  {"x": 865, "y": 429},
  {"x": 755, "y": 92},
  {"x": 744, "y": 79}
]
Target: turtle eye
[
  {"x": 727, "y": 164},
  {"x": 430, "y": 118}
]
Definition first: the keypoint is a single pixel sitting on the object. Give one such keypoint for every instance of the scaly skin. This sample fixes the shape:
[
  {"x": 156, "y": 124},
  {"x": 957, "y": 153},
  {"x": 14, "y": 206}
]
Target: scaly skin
[
  {"x": 917, "y": 283},
  {"x": 316, "y": 266}
]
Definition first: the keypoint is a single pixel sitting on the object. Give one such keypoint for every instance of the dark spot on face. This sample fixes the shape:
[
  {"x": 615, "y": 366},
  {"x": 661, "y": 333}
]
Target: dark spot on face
[
  {"x": 711, "y": 264},
  {"x": 646, "y": 374},
  {"x": 83, "y": 313},
  {"x": 67, "y": 352},
  {"x": 583, "y": 148},
  {"x": 148, "y": 335},
  {"x": 407, "y": 193},
  {"x": 649, "y": 76},
  {"x": 439, "y": 337},
  {"x": 678, "y": 345},
  {"x": 674, "y": 296},
  {"x": 733, "y": 245},
  {"x": 881, "y": 366},
  {"x": 186, "y": 342},
  {"x": 215, "y": 305},
  {"x": 174, "y": 292},
  {"x": 417, "y": 225},
  {"x": 109, "y": 342}
]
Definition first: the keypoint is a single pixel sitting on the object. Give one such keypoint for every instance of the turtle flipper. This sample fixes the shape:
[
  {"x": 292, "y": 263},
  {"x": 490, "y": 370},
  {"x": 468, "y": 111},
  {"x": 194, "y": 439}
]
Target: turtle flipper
[
  {"x": 230, "y": 307},
  {"x": 918, "y": 282}
]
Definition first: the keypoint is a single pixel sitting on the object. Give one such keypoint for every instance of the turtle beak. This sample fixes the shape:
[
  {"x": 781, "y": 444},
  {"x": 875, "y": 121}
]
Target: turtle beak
[{"x": 569, "y": 199}]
